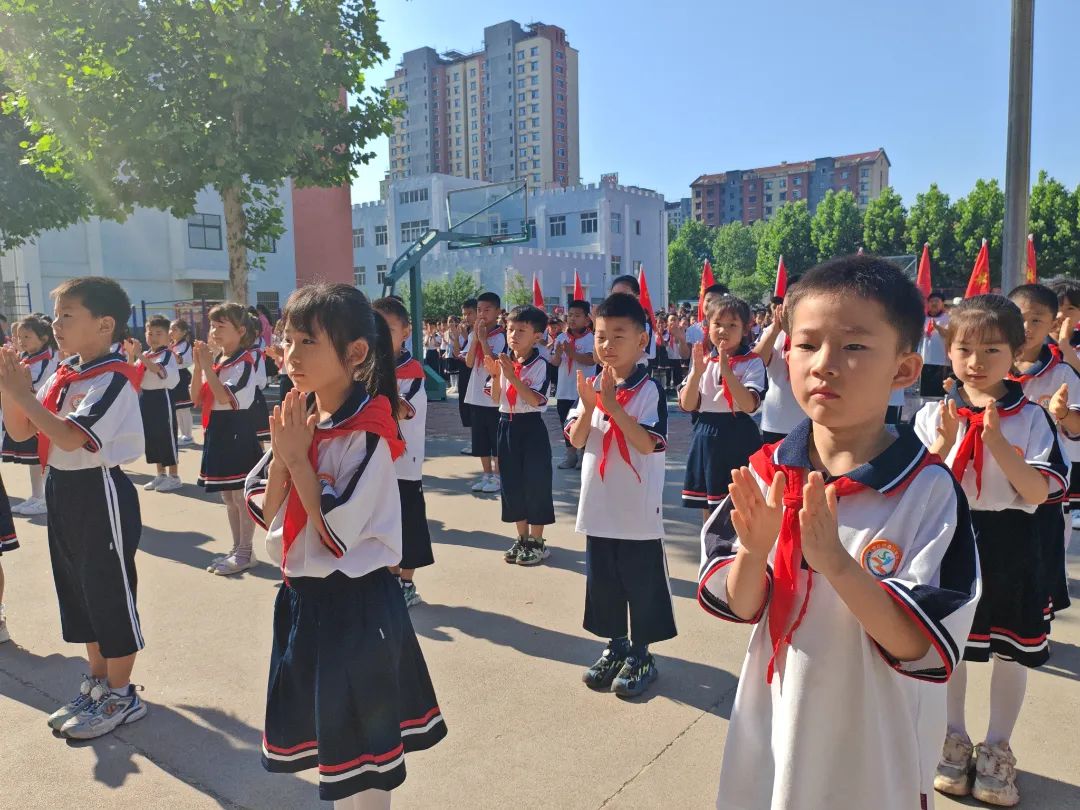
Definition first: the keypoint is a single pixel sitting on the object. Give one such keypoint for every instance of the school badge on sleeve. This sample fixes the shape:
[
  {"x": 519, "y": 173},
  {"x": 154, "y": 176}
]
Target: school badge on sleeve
[{"x": 882, "y": 558}]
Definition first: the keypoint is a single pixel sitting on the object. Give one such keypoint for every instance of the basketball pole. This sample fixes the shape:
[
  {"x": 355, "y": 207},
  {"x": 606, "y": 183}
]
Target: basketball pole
[{"x": 1018, "y": 147}]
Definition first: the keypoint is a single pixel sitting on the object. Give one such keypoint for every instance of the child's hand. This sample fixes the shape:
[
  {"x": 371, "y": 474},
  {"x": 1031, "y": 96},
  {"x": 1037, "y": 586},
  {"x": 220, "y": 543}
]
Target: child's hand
[
  {"x": 1059, "y": 403},
  {"x": 949, "y": 384},
  {"x": 506, "y": 365},
  {"x": 151, "y": 363},
  {"x": 607, "y": 389},
  {"x": 821, "y": 544},
  {"x": 585, "y": 391},
  {"x": 697, "y": 360},
  {"x": 296, "y": 430},
  {"x": 949, "y": 424},
  {"x": 722, "y": 360},
  {"x": 1065, "y": 332},
  {"x": 991, "y": 429},
  {"x": 479, "y": 330},
  {"x": 492, "y": 367},
  {"x": 756, "y": 517},
  {"x": 14, "y": 376},
  {"x": 200, "y": 355}
]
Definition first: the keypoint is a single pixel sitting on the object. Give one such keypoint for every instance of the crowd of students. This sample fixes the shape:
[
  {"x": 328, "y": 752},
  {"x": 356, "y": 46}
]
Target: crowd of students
[{"x": 875, "y": 554}]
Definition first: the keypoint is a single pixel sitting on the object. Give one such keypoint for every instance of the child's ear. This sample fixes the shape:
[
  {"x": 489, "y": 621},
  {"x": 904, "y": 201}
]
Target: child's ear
[
  {"x": 909, "y": 370},
  {"x": 357, "y": 352}
]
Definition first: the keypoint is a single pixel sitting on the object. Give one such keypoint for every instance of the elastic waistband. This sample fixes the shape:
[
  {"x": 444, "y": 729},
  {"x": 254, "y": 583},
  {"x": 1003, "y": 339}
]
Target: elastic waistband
[
  {"x": 83, "y": 473},
  {"x": 516, "y": 417},
  {"x": 335, "y": 583},
  {"x": 714, "y": 418}
]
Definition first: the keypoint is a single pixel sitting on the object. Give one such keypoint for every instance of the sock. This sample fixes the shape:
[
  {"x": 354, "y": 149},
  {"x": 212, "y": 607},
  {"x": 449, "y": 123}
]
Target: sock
[
  {"x": 124, "y": 691},
  {"x": 1008, "y": 683},
  {"x": 406, "y": 582},
  {"x": 37, "y": 483},
  {"x": 639, "y": 651},
  {"x": 955, "y": 692}
]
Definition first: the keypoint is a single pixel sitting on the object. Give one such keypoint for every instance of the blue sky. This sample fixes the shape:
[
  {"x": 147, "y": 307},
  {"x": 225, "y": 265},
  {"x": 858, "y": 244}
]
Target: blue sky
[{"x": 672, "y": 90}]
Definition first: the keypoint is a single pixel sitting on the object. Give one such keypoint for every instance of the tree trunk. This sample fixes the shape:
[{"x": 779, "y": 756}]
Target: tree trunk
[{"x": 235, "y": 240}]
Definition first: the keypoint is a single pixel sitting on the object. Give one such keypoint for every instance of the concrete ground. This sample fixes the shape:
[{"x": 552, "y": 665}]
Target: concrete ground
[{"x": 505, "y": 648}]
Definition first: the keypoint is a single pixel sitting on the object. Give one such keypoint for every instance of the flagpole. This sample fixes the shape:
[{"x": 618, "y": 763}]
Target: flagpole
[{"x": 1018, "y": 148}]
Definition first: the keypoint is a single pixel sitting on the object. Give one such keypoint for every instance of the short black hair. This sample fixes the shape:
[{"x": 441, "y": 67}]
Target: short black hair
[
  {"x": 629, "y": 281},
  {"x": 392, "y": 305},
  {"x": 871, "y": 278},
  {"x": 728, "y": 303},
  {"x": 717, "y": 289},
  {"x": 103, "y": 297},
  {"x": 1036, "y": 294},
  {"x": 527, "y": 313},
  {"x": 490, "y": 298},
  {"x": 623, "y": 305},
  {"x": 935, "y": 294},
  {"x": 1066, "y": 289},
  {"x": 468, "y": 303},
  {"x": 989, "y": 318},
  {"x": 580, "y": 305},
  {"x": 158, "y": 322}
]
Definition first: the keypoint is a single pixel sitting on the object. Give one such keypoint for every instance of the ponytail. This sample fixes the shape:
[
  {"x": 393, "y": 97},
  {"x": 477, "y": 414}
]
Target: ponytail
[{"x": 379, "y": 370}]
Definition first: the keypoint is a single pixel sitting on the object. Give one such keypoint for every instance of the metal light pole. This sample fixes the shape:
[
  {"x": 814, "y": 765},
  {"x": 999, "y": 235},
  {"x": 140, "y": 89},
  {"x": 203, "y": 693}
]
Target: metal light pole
[{"x": 1018, "y": 146}]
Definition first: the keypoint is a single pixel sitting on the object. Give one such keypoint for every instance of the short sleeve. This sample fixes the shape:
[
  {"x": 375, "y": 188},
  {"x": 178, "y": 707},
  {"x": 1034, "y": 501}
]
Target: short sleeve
[
  {"x": 345, "y": 505},
  {"x": 239, "y": 381},
  {"x": 571, "y": 418},
  {"x": 719, "y": 546},
  {"x": 926, "y": 422},
  {"x": 536, "y": 376},
  {"x": 255, "y": 489},
  {"x": 408, "y": 390},
  {"x": 937, "y": 582},
  {"x": 755, "y": 378},
  {"x": 652, "y": 413},
  {"x": 105, "y": 410},
  {"x": 1044, "y": 453},
  {"x": 1073, "y": 381},
  {"x": 171, "y": 369}
]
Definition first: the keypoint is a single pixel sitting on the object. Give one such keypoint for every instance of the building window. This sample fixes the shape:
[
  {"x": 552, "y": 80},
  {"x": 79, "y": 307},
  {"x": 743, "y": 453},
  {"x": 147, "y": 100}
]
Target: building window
[
  {"x": 637, "y": 227},
  {"x": 768, "y": 198},
  {"x": 411, "y": 231},
  {"x": 534, "y": 50},
  {"x": 531, "y": 227},
  {"x": 783, "y": 196},
  {"x": 380, "y": 273},
  {"x": 359, "y": 275},
  {"x": 616, "y": 265},
  {"x": 797, "y": 181},
  {"x": 380, "y": 235},
  {"x": 588, "y": 222},
  {"x": 204, "y": 231},
  {"x": 844, "y": 175},
  {"x": 265, "y": 245},
  {"x": 796, "y": 194},
  {"x": 753, "y": 198},
  {"x": 208, "y": 290},
  {"x": 768, "y": 210},
  {"x": 557, "y": 226},
  {"x": 768, "y": 184},
  {"x": 358, "y": 237},
  {"x": 864, "y": 172},
  {"x": 270, "y": 300},
  {"x": 863, "y": 199},
  {"x": 783, "y": 182}
]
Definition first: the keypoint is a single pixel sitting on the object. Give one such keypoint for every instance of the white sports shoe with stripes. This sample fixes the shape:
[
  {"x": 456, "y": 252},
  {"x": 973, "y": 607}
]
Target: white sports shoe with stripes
[
  {"x": 75, "y": 705},
  {"x": 106, "y": 711}
]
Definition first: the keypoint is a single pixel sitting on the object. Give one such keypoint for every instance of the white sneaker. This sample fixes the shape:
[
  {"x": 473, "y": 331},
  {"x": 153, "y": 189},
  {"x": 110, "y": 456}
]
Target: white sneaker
[
  {"x": 1076, "y": 519},
  {"x": 4, "y": 634},
  {"x": 75, "y": 705},
  {"x": 170, "y": 483},
  {"x": 234, "y": 564},
  {"x": 184, "y": 441},
  {"x": 108, "y": 710},
  {"x": 494, "y": 484},
  {"x": 480, "y": 484},
  {"x": 33, "y": 506},
  {"x": 570, "y": 459},
  {"x": 154, "y": 483}
]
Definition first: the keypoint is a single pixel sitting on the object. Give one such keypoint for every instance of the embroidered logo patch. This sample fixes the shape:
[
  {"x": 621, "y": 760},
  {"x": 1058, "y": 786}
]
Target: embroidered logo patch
[
  {"x": 76, "y": 400},
  {"x": 881, "y": 558},
  {"x": 326, "y": 478}
]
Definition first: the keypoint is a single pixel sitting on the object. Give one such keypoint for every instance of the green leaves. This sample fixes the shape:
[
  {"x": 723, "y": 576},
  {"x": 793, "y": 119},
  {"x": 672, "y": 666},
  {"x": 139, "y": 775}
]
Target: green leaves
[
  {"x": 885, "y": 225},
  {"x": 787, "y": 234},
  {"x": 836, "y": 228},
  {"x": 443, "y": 298}
]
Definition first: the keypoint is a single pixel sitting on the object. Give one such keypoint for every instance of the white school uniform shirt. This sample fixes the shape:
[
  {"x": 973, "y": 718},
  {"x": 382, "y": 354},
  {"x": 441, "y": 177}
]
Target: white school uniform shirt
[
  {"x": 619, "y": 505},
  {"x": 1041, "y": 382},
  {"x": 237, "y": 374},
  {"x": 106, "y": 409},
  {"x": 650, "y": 345},
  {"x": 167, "y": 360},
  {"x": 566, "y": 381},
  {"x": 479, "y": 392},
  {"x": 843, "y": 724},
  {"x": 360, "y": 506},
  {"x": 932, "y": 346},
  {"x": 750, "y": 370},
  {"x": 42, "y": 366},
  {"x": 779, "y": 410},
  {"x": 182, "y": 350},
  {"x": 1030, "y": 431},
  {"x": 695, "y": 333},
  {"x": 409, "y": 465},
  {"x": 259, "y": 367},
  {"x": 534, "y": 373}
]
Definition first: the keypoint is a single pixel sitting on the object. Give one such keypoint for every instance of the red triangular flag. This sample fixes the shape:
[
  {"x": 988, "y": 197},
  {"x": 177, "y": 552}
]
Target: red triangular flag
[
  {"x": 1032, "y": 275},
  {"x": 979, "y": 283},
  {"x": 538, "y": 297},
  {"x": 922, "y": 279},
  {"x": 579, "y": 292},
  {"x": 707, "y": 281},
  {"x": 780, "y": 289},
  {"x": 646, "y": 302}
]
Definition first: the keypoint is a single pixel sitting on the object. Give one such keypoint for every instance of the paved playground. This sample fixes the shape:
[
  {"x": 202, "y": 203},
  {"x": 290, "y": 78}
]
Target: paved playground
[{"x": 504, "y": 645}]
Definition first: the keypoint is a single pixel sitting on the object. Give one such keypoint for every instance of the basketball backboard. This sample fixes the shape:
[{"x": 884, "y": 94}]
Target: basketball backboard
[{"x": 495, "y": 214}]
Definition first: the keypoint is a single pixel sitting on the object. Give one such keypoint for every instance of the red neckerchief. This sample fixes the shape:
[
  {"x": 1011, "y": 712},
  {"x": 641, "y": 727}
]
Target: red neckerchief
[
  {"x": 1055, "y": 359},
  {"x": 931, "y": 322},
  {"x": 44, "y": 356},
  {"x": 206, "y": 396},
  {"x": 374, "y": 417},
  {"x": 971, "y": 446},
  {"x": 732, "y": 360},
  {"x": 409, "y": 369},
  {"x": 478, "y": 353},
  {"x": 66, "y": 374},
  {"x": 788, "y": 559},
  {"x": 573, "y": 347},
  {"x": 614, "y": 432}
]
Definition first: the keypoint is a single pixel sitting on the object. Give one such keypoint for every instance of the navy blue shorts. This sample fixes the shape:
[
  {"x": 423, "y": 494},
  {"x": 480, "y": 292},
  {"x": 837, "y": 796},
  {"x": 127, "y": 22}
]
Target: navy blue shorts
[
  {"x": 484, "y": 423},
  {"x": 628, "y": 576},
  {"x": 720, "y": 443},
  {"x": 415, "y": 536},
  {"x": 525, "y": 469}
]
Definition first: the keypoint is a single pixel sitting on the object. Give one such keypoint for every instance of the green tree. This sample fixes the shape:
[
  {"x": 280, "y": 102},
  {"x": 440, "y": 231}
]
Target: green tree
[
  {"x": 836, "y": 227},
  {"x": 443, "y": 297},
  {"x": 980, "y": 215},
  {"x": 698, "y": 239},
  {"x": 517, "y": 293},
  {"x": 787, "y": 234},
  {"x": 684, "y": 272},
  {"x": 932, "y": 220},
  {"x": 149, "y": 102},
  {"x": 1053, "y": 223},
  {"x": 735, "y": 249},
  {"x": 884, "y": 224}
]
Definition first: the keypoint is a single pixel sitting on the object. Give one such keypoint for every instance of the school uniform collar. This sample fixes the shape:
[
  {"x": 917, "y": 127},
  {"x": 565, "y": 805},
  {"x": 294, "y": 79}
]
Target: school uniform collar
[
  {"x": 1049, "y": 356},
  {"x": 636, "y": 378},
  {"x": 1010, "y": 400},
  {"x": 404, "y": 357},
  {"x": 889, "y": 470},
  {"x": 233, "y": 358},
  {"x": 740, "y": 352},
  {"x": 105, "y": 358},
  {"x": 29, "y": 359},
  {"x": 534, "y": 355},
  {"x": 355, "y": 402}
]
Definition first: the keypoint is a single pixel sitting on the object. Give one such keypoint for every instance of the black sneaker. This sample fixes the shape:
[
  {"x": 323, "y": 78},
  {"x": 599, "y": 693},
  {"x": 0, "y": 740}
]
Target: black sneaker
[
  {"x": 602, "y": 673},
  {"x": 534, "y": 552},
  {"x": 635, "y": 676},
  {"x": 512, "y": 554}
]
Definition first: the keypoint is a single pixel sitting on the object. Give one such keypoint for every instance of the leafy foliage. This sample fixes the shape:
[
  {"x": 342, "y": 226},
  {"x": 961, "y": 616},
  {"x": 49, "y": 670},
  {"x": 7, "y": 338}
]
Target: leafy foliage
[
  {"x": 836, "y": 228},
  {"x": 885, "y": 225}
]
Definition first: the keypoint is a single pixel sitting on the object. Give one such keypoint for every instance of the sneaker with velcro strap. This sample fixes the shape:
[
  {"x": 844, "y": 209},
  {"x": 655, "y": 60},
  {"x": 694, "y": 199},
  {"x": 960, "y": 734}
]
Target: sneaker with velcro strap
[
  {"x": 534, "y": 553},
  {"x": 511, "y": 554},
  {"x": 600, "y": 675},
  {"x": 635, "y": 676}
]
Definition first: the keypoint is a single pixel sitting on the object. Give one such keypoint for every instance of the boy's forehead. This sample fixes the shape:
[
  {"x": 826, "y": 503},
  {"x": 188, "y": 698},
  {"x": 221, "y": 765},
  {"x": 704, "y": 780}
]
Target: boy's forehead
[
  {"x": 1034, "y": 307},
  {"x": 846, "y": 313},
  {"x": 70, "y": 303},
  {"x": 614, "y": 323}
]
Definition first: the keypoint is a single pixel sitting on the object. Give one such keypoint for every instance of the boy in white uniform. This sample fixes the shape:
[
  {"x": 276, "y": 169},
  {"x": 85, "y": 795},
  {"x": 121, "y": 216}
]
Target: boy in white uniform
[
  {"x": 780, "y": 411},
  {"x": 487, "y": 339},
  {"x": 573, "y": 351},
  {"x": 932, "y": 349},
  {"x": 851, "y": 550}
]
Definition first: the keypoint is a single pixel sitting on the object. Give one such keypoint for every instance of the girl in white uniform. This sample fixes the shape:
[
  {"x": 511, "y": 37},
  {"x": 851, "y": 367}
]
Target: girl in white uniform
[{"x": 180, "y": 342}]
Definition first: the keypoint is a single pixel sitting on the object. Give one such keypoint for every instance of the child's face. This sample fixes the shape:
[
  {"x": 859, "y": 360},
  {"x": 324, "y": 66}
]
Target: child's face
[
  {"x": 28, "y": 341},
  {"x": 399, "y": 330},
  {"x": 225, "y": 335},
  {"x": 576, "y": 320},
  {"x": 845, "y": 362},
  {"x": 1067, "y": 309},
  {"x": 468, "y": 315},
  {"x": 1038, "y": 321},
  {"x": 312, "y": 362},
  {"x": 934, "y": 305},
  {"x": 623, "y": 287},
  {"x": 980, "y": 362},
  {"x": 487, "y": 312},
  {"x": 78, "y": 331},
  {"x": 175, "y": 335},
  {"x": 726, "y": 330},
  {"x": 619, "y": 343},
  {"x": 157, "y": 336},
  {"x": 521, "y": 337}
]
